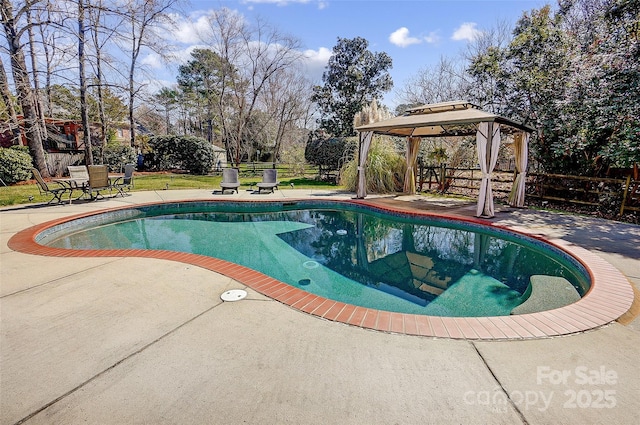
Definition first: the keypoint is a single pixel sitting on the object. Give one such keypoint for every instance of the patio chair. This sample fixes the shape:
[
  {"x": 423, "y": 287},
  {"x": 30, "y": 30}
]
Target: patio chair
[
  {"x": 123, "y": 184},
  {"x": 230, "y": 180},
  {"x": 98, "y": 181},
  {"x": 269, "y": 180},
  {"x": 79, "y": 173},
  {"x": 80, "y": 177},
  {"x": 44, "y": 188}
]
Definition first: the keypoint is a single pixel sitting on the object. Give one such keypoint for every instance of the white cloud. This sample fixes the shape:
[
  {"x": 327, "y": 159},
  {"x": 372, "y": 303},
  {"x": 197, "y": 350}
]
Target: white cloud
[
  {"x": 466, "y": 31},
  {"x": 322, "y": 4},
  {"x": 321, "y": 55},
  {"x": 400, "y": 37},
  {"x": 152, "y": 60},
  {"x": 277, "y": 2},
  {"x": 189, "y": 29},
  {"x": 432, "y": 38},
  {"x": 191, "y": 32},
  {"x": 316, "y": 61}
]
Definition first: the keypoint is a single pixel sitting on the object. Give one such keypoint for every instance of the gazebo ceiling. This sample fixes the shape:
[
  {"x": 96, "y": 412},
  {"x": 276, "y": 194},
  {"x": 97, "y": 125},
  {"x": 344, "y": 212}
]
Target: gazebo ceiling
[{"x": 441, "y": 119}]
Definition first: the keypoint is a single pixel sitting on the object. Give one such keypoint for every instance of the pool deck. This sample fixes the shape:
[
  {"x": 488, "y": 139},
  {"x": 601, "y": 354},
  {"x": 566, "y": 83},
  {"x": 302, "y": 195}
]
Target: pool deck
[{"x": 121, "y": 340}]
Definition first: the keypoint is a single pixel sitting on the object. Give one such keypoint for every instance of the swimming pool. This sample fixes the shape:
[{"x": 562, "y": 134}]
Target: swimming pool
[
  {"x": 346, "y": 252},
  {"x": 609, "y": 296}
]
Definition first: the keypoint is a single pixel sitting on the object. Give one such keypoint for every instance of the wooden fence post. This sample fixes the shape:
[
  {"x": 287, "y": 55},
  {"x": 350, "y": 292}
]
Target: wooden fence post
[{"x": 624, "y": 196}]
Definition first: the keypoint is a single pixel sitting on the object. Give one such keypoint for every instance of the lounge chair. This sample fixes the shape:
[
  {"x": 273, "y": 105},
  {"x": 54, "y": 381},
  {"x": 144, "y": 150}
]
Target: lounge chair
[
  {"x": 98, "y": 181},
  {"x": 123, "y": 184},
  {"x": 269, "y": 180},
  {"x": 44, "y": 188},
  {"x": 230, "y": 180}
]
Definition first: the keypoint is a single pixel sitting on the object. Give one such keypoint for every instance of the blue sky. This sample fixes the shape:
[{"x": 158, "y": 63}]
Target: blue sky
[{"x": 414, "y": 33}]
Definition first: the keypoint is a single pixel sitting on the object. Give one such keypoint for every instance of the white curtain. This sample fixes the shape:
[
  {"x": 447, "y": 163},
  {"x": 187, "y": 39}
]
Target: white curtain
[
  {"x": 365, "y": 143},
  {"x": 413, "y": 146},
  {"x": 488, "y": 144},
  {"x": 521, "y": 152}
]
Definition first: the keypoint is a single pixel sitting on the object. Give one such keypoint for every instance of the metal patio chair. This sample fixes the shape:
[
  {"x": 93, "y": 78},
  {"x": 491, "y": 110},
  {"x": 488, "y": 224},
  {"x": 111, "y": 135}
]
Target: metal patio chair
[
  {"x": 123, "y": 184},
  {"x": 98, "y": 181},
  {"x": 44, "y": 188}
]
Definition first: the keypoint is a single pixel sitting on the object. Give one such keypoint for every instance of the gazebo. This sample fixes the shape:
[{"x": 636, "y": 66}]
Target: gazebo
[{"x": 448, "y": 119}]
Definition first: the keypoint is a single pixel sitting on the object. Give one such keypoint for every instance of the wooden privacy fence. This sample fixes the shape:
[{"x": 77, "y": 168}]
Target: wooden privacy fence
[
  {"x": 586, "y": 191},
  {"x": 57, "y": 162}
]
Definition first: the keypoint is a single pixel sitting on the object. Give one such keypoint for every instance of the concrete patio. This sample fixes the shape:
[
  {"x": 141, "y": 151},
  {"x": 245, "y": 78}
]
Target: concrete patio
[{"x": 130, "y": 340}]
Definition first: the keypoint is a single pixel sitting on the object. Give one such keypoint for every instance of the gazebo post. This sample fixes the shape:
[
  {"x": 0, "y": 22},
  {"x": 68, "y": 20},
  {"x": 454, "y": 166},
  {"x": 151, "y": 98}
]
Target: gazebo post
[{"x": 363, "y": 152}]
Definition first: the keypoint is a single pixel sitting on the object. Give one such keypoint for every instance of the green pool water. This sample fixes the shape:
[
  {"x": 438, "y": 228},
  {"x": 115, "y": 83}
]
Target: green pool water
[{"x": 346, "y": 253}]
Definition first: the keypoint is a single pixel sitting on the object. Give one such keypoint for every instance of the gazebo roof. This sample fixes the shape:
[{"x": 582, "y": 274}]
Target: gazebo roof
[{"x": 457, "y": 118}]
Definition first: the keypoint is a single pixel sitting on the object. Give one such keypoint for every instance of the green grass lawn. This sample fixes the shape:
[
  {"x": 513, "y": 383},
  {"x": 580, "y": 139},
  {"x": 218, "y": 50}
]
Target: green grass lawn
[{"x": 27, "y": 193}]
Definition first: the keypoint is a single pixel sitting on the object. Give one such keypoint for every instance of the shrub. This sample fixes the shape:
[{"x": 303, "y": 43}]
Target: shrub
[
  {"x": 116, "y": 155},
  {"x": 384, "y": 169},
  {"x": 294, "y": 156},
  {"x": 184, "y": 152},
  {"x": 326, "y": 153},
  {"x": 15, "y": 165}
]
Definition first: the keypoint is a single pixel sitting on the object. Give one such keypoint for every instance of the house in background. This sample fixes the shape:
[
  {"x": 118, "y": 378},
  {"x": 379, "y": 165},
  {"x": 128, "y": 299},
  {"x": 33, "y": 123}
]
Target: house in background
[
  {"x": 63, "y": 135},
  {"x": 67, "y": 135},
  {"x": 220, "y": 158}
]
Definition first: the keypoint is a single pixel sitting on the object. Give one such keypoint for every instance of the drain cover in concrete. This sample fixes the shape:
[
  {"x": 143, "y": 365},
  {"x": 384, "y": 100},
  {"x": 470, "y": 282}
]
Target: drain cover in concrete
[{"x": 233, "y": 295}]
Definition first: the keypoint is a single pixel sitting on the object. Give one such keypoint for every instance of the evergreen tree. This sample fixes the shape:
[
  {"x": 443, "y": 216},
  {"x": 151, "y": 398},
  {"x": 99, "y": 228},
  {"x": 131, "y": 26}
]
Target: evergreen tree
[{"x": 353, "y": 78}]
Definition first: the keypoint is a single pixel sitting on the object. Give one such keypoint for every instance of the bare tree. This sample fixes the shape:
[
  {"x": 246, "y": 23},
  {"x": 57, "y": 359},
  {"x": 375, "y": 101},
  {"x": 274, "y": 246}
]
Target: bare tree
[
  {"x": 445, "y": 81},
  {"x": 48, "y": 46},
  {"x": 24, "y": 89},
  {"x": 255, "y": 55},
  {"x": 450, "y": 79},
  {"x": 101, "y": 35},
  {"x": 143, "y": 16},
  {"x": 481, "y": 56},
  {"x": 287, "y": 103},
  {"x": 84, "y": 109},
  {"x": 499, "y": 35},
  {"x": 14, "y": 125},
  {"x": 95, "y": 18},
  {"x": 47, "y": 58},
  {"x": 34, "y": 71}
]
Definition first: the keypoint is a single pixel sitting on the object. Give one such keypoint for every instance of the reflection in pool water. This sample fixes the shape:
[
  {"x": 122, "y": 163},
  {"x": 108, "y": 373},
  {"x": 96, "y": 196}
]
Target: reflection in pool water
[{"x": 357, "y": 256}]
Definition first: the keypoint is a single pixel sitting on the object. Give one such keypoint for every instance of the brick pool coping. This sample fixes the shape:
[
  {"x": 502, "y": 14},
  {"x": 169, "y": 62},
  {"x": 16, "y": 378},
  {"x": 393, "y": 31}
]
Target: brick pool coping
[{"x": 609, "y": 296}]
